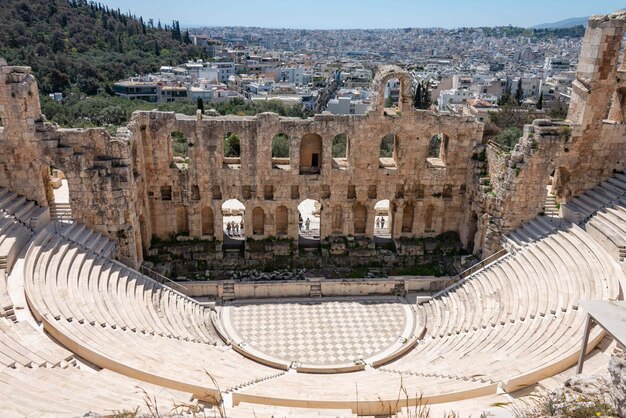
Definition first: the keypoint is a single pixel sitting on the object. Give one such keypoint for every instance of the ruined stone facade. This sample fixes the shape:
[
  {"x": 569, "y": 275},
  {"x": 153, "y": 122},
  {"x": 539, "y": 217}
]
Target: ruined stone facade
[
  {"x": 132, "y": 188},
  {"x": 572, "y": 156}
]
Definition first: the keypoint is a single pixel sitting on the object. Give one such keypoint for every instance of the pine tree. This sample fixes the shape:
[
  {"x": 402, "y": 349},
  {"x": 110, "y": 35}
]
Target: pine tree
[
  {"x": 417, "y": 98},
  {"x": 519, "y": 93},
  {"x": 540, "y": 101},
  {"x": 506, "y": 96},
  {"x": 426, "y": 99},
  {"x": 422, "y": 99},
  {"x": 201, "y": 105}
]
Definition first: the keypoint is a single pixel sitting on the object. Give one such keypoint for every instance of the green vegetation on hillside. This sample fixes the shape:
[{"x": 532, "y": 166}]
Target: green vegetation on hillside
[
  {"x": 78, "y": 111},
  {"x": 86, "y": 45},
  {"x": 548, "y": 33}
]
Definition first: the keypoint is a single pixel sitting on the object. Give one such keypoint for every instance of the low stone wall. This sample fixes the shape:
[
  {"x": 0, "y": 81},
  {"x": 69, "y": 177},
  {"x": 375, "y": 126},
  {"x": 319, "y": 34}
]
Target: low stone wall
[
  {"x": 294, "y": 289},
  {"x": 193, "y": 258}
]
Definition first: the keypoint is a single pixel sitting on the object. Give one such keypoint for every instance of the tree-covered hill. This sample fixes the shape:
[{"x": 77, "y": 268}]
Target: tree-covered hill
[{"x": 86, "y": 45}]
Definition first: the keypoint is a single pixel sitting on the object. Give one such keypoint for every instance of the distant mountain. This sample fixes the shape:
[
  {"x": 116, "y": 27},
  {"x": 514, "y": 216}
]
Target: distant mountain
[{"x": 567, "y": 23}]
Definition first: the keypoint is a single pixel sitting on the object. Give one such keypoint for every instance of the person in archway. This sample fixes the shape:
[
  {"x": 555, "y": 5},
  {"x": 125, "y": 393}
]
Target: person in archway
[
  {"x": 228, "y": 228},
  {"x": 377, "y": 223},
  {"x": 300, "y": 221},
  {"x": 382, "y": 223},
  {"x": 241, "y": 226},
  {"x": 307, "y": 224}
]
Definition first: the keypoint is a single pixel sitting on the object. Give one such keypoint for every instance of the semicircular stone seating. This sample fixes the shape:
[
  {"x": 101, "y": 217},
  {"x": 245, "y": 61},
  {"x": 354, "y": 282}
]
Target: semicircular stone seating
[
  {"x": 37, "y": 374},
  {"x": 508, "y": 325}
]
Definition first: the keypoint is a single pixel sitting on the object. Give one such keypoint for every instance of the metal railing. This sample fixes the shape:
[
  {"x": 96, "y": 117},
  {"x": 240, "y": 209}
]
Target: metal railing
[
  {"x": 62, "y": 222},
  {"x": 157, "y": 277},
  {"x": 462, "y": 277}
]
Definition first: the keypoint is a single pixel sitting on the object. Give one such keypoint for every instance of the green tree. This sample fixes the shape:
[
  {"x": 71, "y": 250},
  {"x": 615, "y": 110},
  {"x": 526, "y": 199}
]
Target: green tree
[
  {"x": 386, "y": 146},
  {"x": 540, "y": 101},
  {"x": 180, "y": 145},
  {"x": 232, "y": 146},
  {"x": 506, "y": 96},
  {"x": 426, "y": 99},
  {"x": 339, "y": 146},
  {"x": 389, "y": 101},
  {"x": 280, "y": 146},
  {"x": 417, "y": 98},
  {"x": 511, "y": 116},
  {"x": 200, "y": 103},
  {"x": 508, "y": 138}
]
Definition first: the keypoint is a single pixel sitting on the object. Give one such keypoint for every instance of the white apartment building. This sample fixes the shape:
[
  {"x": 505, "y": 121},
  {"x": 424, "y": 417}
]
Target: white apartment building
[
  {"x": 555, "y": 65},
  {"x": 293, "y": 75},
  {"x": 454, "y": 97},
  {"x": 346, "y": 106},
  {"x": 224, "y": 70}
]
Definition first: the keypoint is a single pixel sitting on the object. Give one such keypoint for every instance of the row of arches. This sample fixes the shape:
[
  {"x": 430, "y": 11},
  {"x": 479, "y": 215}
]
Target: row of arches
[
  {"x": 311, "y": 151},
  {"x": 234, "y": 220}
]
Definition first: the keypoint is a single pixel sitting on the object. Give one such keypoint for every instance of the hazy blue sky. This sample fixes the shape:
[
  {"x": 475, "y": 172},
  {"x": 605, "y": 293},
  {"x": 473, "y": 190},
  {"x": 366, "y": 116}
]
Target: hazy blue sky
[{"x": 333, "y": 14}]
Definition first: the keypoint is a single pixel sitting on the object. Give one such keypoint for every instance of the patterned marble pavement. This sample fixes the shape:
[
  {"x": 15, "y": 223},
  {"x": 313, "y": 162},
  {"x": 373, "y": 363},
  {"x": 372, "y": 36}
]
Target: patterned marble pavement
[{"x": 326, "y": 332}]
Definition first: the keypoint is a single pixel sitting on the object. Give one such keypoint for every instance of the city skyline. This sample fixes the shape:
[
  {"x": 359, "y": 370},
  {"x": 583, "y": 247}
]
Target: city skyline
[{"x": 366, "y": 14}]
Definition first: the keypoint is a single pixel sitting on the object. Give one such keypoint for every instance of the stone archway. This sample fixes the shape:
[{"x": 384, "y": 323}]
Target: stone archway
[
  {"x": 379, "y": 85},
  {"x": 311, "y": 154}
]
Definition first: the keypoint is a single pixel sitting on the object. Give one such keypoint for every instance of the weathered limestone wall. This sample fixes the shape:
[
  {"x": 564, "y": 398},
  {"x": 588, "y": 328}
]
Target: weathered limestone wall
[
  {"x": 597, "y": 107},
  {"x": 20, "y": 117},
  {"x": 96, "y": 166},
  {"x": 177, "y": 197},
  {"x": 519, "y": 178},
  {"x": 580, "y": 153}
]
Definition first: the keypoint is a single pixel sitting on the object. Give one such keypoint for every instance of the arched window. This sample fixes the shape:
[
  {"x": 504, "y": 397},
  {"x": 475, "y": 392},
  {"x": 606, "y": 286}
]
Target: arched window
[
  {"x": 280, "y": 152},
  {"x": 383, "y": 219},
  {"x": 309, "y": 221},
  {"x": 437, "y": 150},
  {"x": 233, "y": 212},
  {"x": 180, "y": 150},
  {"x": 388, "y": 151},
  {"x": 340, "y": 152},
  {"x": 232, "y": 151},
  {"x": 311, "y": 154},
  {"x": 392, "y": 93}
]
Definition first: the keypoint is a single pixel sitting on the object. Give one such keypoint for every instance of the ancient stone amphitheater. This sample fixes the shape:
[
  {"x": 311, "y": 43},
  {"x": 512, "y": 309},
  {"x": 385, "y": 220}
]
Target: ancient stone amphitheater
[{"x": 80, "y": 331}]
